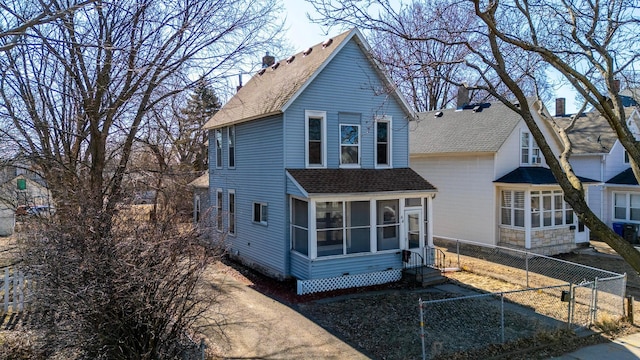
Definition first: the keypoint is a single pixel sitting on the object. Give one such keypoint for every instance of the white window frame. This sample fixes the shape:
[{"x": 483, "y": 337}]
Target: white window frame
[
  {"x": 627, "y": 206},
  {"x": 263, "y": 215},
  {"x": 552, "y": 194},
  {"x": 219, "y": 204},
  {"x": 383, "y": 119},
  {"x": 217, "y": 139},
  {"x": 357, "y": 145},
  {"x": 625, "y": 156},
  {"x": 512, "y": 208},
  {"x": 293, "y": 226},
  {"x": 534, "y": 156},
  {"x": 232, "y": 209},
  {"x": 231, "y": 147},
  {"x": 322, "y": 115}
]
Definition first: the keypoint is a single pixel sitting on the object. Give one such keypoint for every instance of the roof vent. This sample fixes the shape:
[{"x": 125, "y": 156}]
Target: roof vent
[
  {"x": 307, "y": 52},
  {"x": 438, "y": 114},
  {"x": 326, "y": 43},
  {"x": 262, "y": 71},
  {"x": 275, "y": 66},
  {"x": 290, "y": 59}
]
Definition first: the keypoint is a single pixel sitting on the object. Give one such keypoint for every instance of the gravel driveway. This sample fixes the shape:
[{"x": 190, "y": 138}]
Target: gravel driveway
[{"x": 256, "y": 326}]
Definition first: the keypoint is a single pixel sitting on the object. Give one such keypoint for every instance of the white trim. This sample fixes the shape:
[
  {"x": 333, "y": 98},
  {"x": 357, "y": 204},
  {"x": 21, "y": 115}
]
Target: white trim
[
  {"x": 358, "y": 143},
  {"x": 383, "y": 119},
  {"x": 627, "y": 210},
  {"x": 323, "y": 133}
]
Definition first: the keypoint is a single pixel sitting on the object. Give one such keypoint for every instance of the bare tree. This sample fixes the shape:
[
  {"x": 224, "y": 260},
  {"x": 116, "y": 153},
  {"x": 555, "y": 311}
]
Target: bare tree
[
  {"x": 591, "y": 44},
  {"x": 77, "y": 94},
  {"x": 74, "y": 87}
]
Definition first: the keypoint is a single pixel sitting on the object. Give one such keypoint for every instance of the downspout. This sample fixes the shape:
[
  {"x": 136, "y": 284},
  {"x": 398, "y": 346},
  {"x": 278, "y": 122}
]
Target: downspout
[{"x": 602, "y": 199}]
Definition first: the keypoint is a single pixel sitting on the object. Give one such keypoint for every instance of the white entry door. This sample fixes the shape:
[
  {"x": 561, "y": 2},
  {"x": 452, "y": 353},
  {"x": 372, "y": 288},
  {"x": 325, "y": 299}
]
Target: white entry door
[{"x": 413, "y": 231}]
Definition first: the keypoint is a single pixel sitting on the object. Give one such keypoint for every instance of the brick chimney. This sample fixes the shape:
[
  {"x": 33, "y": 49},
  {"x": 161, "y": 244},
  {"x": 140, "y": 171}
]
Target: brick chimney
[
  {"x": 463, "y": 97},
  {"x": 560, "y": 107},
  {"x": 268, "y": 60}
]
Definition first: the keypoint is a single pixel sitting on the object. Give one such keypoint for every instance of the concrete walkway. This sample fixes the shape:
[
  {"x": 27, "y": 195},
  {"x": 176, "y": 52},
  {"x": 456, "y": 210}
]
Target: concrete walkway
[
  {"x": 624, "y": 348},
  {"x": 255, "y": 326}
]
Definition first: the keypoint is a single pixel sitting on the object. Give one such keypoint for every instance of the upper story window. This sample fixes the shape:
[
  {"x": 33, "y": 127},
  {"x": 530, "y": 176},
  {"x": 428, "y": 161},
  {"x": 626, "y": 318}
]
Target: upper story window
[
  {"x": 626, "y": 157},
  {"x": 231, "y": 143},
  {"x": 218, "y": 136},
  {"x": 349, "y": 145},
  {"x": 315, "y": 136},
  {"x": 529, "y": 150},
  {"x": 383, "y": 142}
]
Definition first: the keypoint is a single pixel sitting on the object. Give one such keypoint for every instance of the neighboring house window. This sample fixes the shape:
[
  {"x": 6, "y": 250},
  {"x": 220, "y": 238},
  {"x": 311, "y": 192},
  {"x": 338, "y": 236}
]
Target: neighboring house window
[
  {"x": 260, "y": 213},
  {"x": 219, "y": 209},
  {"x": 218, "y": 136},
  {"x": 383, "y": 141},
  {"x": 349, "y": 145},
  {"x": 512, "y": 208},
  {"x": 231, "y": 141},
  {"x": 549, "y": 209},
  {"x": 300, "y": 226},
  {"x": 315, "y": 129},
  {"x": 626, "y": 157},
  {"x": 529, "y": 150},
  {"x": 232, "y": 212},
  {"x": 626, "y": 206},
  {"x": 343, "y": 227},
  {"x": 387, "y": 224}
]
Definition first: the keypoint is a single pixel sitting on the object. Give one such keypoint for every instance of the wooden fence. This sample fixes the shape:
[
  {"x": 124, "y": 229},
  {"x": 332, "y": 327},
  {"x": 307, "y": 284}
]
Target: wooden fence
[{"x": 15, "y": 288}]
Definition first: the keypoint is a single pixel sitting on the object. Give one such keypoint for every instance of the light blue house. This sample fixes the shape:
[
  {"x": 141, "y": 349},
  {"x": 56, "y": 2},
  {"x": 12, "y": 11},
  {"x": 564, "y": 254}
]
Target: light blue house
[{"x": 309, "y": 171}]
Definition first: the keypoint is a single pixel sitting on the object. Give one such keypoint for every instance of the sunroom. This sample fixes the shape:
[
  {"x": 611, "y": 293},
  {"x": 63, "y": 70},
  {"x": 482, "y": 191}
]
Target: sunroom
[
  {"x": 533, "y": 215},
  {"x": 347, "y": 227}
]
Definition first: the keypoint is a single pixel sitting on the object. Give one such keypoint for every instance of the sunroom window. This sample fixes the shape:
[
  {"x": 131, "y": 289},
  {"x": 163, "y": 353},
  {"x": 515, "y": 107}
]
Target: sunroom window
[
  {"x": 388, "y": 224},
  {"x": 626, "y": 206},
  {"x": 549, "y": 209},
  {"x": 300, "y": 226},
  {"x": 512, "y": 206},
  {"x": 342, "y": 227}
]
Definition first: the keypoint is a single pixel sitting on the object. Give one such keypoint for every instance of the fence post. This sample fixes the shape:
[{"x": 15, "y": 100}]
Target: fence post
[
  {"x": 6, "y": 289},
  {"x": 630, "y": 309},
  {"x": 502, "y": 317},
  {"x": 526, "y": 260},
  {"x": 594, "y": 301},
  {"x": 458, "y": 252},
  {"x": 202, "y": 348},
  {"x": 424, "y": 352},
  {"x": 570, "y": 306}
]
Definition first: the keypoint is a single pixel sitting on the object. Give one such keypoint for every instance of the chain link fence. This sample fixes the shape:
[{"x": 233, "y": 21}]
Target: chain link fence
[{"x": 553, "y": 295}]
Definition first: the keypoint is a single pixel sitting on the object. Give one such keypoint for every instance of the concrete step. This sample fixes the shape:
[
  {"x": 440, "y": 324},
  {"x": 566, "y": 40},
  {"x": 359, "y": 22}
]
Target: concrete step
[{"x": 429, "y": 276}]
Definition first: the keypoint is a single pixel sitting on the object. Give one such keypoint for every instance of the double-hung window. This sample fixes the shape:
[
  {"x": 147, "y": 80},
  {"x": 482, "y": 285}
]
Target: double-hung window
[
  {"x": 383, "y": 141},
  {"x": 315, "y": 138},
  {"x": 218, "y": 139},
  {"x": 260, "y": 213},
  {"x": 219, "y": 209},
  {"x": 529, "y": 150},
  {"x": 626, "y": 206},
  {"x": 231, "y": 146},
  {"x": 232, "y": 212},
  {"x": 300, "y": 226},
  {"x": 342, "y": 227},
  {"x": 512, "y": 208},
  {"x": 349, "y": 145}
]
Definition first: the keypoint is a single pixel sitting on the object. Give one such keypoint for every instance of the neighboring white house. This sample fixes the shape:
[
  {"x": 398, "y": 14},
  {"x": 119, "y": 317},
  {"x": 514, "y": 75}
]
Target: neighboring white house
[
  {"x": 20, "y": 192},
  {"x": 493, "y": 183}
]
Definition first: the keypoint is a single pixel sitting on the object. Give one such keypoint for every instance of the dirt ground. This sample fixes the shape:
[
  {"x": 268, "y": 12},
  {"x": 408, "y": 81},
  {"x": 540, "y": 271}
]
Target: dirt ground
[{"x": 378, "y": 322}]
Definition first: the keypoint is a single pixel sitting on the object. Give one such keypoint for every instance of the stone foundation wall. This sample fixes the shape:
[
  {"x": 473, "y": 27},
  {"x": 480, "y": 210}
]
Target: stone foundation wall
[
  {"x": 543, "y": 241},
  {"x": 510, "y": 237}
]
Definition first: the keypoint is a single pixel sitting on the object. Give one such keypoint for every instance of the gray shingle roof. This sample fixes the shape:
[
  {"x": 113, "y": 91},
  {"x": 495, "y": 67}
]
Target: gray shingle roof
[
  {"x": 462, "y": 131},
  {"x": 624, "y": 178},
  {"x": 202, "y": 182},
  {"x": 591, "y": 133},
  {"x": 347, "y": 181}
]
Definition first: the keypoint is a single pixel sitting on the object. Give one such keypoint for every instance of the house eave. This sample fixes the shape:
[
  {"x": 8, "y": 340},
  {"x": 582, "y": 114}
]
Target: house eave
[{"x": 244, "y": 120}]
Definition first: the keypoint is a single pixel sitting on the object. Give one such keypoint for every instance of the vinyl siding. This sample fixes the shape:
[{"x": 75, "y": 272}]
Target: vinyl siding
[
  {"x": 304, "y": 269},
  {"x": 466, "y": 195},
  {"x": 346, "y": 85},
  {"x": 258, "y": 176}
]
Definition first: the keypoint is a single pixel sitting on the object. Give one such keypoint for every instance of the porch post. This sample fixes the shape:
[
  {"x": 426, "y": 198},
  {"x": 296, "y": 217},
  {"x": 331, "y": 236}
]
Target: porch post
[
  {"x": 527, "y": 219},
  {"x": 429, "y": 216},
  {"x": 373, "y": 243},
  {"x": 312, "y": 238}
]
